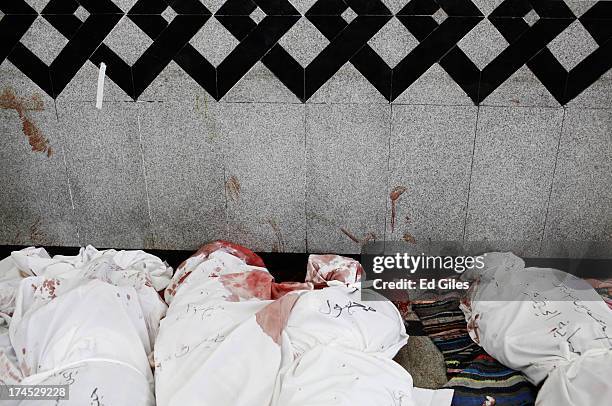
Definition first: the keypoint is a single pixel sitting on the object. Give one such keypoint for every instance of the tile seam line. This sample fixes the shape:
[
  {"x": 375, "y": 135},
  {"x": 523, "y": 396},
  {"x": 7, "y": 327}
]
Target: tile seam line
[
  {"x": 552, "y": 183},
  {"x": 74, "y": 214},
  {"x": 467, "y": 201},
  {"x": 388, "y": 172},
  {"x": 304, "y": 162},
  {"x": 144, "y": 169}
]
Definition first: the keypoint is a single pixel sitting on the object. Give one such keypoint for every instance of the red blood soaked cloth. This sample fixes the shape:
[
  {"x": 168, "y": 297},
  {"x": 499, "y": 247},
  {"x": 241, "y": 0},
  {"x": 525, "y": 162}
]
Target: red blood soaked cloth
[{"x": 258, "y": 283}]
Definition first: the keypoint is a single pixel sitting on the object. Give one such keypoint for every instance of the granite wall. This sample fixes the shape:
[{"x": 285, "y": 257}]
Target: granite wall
[{"x": 307, "y": 125}]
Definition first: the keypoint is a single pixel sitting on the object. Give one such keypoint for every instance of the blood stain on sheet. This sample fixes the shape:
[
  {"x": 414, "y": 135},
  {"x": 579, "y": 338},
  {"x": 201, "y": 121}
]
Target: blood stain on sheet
[
  {"x": 232, "y": 187},
  {"x": 473, "y": 326},
  {"x": 173, "y": 287},
  {"x": 323, "y": 268},
  {"x": 409, "y": 238},
  {"x": 394, "y": 196},
  {"x": 25, "y": 369},
  {"x": 50, "y": 285},
  {"x": 10, "y": 101},
  {"x": 273, "y": 318},
  {"x": 236, "y": 250},
  {"x": 248, "y": 285},
  {"x": 279, "y": 245},
  {"x": 279, "y": 290},
  {"x": 182, "y": 265},
  {"x": 9, "y": 370}
]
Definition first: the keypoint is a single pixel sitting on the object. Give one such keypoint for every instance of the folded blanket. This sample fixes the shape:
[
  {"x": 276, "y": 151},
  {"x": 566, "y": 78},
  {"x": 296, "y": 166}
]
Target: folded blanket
[
  {"x": 484, "y": 380},
  {"x": 445, "y": 324},
  {"x": 474, "y": 376}
]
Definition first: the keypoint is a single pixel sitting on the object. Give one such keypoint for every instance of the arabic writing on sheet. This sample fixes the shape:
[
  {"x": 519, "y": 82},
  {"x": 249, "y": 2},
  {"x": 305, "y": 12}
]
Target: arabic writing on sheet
[
  {"x": 95, "y": 398},
  {"x": 544, "y": 307},
  {"x": 349, "y": 307},
  {"x": 203, "y": 311}
]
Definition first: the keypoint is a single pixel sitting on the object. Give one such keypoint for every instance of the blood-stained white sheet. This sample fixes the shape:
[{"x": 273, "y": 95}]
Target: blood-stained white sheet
[
  {"x": 88, "y": 320},
  {"x": 546, "y": 323},
  {"x": 234, "y": 337}
]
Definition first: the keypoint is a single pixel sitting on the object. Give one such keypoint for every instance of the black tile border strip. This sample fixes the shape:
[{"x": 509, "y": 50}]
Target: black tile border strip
[{"x": 259, "y": 42}]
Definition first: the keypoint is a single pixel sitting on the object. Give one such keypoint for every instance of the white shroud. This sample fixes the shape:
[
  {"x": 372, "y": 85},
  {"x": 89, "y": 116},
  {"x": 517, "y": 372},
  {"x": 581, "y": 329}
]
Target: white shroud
[
  {"x": 88, "y": 321},
  {"x": 548, "y": 324},
  {"x": 233, "y": 337}
]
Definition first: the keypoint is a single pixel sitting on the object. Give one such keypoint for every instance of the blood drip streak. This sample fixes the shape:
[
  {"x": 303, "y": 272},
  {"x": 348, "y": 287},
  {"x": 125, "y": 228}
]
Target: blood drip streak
[{"x": 394, "y": 196}]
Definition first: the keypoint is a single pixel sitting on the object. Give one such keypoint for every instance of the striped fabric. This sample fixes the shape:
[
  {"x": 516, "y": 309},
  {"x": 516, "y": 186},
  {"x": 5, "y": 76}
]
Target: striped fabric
[
  {"x": 444, "y": 323},
  {"x": 485, "y": 377},
  {"x": 477, "y": 378},
  {"x": 473, "y": 374}
]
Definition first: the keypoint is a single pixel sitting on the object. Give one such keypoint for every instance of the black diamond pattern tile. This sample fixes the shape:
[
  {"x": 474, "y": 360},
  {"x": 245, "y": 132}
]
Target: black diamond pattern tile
[{"x": 348, "y": 43}]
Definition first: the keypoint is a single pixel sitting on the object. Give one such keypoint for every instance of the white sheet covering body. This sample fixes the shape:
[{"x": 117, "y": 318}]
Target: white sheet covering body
[
  {"x": 89, "y": 321},
  {"x": 548, "y": 324},
  {"x": 234, "y": 337}
]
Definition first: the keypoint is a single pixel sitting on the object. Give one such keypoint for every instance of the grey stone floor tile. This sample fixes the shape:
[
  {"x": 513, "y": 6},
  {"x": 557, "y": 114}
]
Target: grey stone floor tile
[
  {"x": 104, "y": 161},
  {"x": 125, "y": 5},
  {"x": 303, "y": 41},
  {"x": 431, "y": 156},
  {"x": 435, "y": 86},
  {"x": 347, "y": 86},
  {"x": 12, "y": 78},
  {"x": 572, "y": 45},
  {"x": 173, "y": 84},
  {"x": 35, "y": 208},
  {"x": 598, "y": 95},
  {"x": 523, "y": 88},
  {"x": 393, "y": 42},
  {"x": 512, "y": 173},
  {"x": 84, "y": 87},
  {"x": 302, "y": 6},
  {"x": 486, "y": 7},
  {"x": 579, "y": 7},
  {"x": 44, "y": 40},
  {"x": 579, "y": 218},
  {"x": 483, "y": 43},
  {"x": 213, "y": 5},
  {"x": 127, "y": 40},
  {"x": 37, "y": 5},
  {"x": 184, "y": 172},
  {"x": 260, "y": 85},
  {"x": 214, "y": 41},
  {"x": 265, "y": 179},
  {"x": 346, "y": 169},
  {"x": 395, "y": 5}
]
